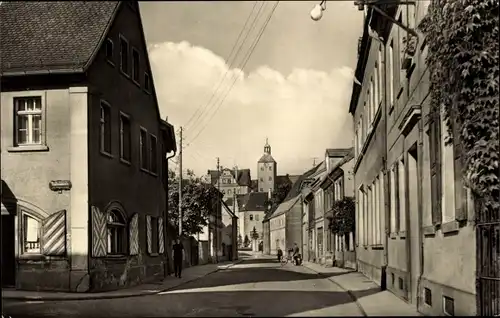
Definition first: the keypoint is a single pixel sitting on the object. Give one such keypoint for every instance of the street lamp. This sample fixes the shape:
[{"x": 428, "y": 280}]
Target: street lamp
[{"x": 317, "y": 11}]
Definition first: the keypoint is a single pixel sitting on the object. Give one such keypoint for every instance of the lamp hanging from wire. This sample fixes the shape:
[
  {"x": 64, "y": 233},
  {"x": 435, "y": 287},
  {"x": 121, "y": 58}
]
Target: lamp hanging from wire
[{"x": 317, "y": 11}]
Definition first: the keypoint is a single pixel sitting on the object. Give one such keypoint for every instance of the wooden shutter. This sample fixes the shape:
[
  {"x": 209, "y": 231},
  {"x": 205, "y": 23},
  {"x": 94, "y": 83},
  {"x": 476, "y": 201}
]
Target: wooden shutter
[
  {"x": 134, "y": 235},
  {"x": 435, "y": 158},
  {"x": 161, "y": 240},
  {"x": 99, "y": 237},
  {"x": 458, "y": 164},
  {"x": 54, "y": 234},
  {"x": 149, "y": 234}
]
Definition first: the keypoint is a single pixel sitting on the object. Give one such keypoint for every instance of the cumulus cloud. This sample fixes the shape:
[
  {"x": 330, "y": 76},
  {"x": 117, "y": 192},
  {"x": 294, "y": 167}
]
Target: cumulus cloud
[{"x": 301, "y": 113}]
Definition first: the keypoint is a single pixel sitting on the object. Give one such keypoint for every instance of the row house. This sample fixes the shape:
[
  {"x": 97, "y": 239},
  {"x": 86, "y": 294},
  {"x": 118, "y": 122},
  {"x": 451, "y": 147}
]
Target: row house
[
  {"x": 83, "y": 148},
  {"x": 285, "y": 222},
  {"x": 413, "y": 210},
  {"x": 336, "y": 185}
]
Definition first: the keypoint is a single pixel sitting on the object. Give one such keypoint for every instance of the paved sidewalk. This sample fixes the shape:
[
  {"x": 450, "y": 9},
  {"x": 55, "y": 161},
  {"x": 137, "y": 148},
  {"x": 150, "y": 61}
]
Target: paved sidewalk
[
  {"x": 189, "y": 274},
  {"x": 381, "y": 303}
]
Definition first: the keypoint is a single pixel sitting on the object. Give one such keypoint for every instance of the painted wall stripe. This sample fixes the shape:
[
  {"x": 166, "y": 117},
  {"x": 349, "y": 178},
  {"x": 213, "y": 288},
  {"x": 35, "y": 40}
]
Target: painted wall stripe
[{"x": 54, "y": 234}]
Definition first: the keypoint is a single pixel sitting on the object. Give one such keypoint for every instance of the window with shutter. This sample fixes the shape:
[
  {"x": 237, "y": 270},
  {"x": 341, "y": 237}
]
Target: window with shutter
[
  {"x": 435, "y": 160},
  {"x": 161, "y": 236},
  {"x": 460, "y": 189}
]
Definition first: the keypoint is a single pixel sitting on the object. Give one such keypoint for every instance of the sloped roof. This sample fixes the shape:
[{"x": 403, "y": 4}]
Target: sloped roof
[
  {"x": 254, "y": 185},
  {"x": 52, "y": 36},
  {"x": 348, "y": 157},
  {"x": 243, "y": 178},
  {"x": 229, "y": 201},
  {"x": 253, "y": 201},
  {"x": 294, "y": 192},
  {"x": 285, "y": 206},
  {"x": 338, "y": 152},
  {"x": 266, "y": 158}
]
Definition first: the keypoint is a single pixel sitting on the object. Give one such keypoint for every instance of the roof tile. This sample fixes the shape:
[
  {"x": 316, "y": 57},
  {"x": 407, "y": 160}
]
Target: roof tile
[{"x": 55, "y": 35}]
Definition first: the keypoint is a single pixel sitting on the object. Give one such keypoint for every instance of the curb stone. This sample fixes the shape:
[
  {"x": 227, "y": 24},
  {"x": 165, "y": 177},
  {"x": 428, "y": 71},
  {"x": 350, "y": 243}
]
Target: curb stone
[
  {"x": 348, "y": 291},
  {"x": 125, "y": 295}
]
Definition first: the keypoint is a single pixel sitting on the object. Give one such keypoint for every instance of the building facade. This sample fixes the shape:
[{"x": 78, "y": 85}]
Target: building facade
[
  {"x": 336, "y": 185},
  {"x": 251, "y": 212},
  {"x": 231, "y": 182},
  {"x": 84, "y": 170},
  {"x": 408, "y": 180}
]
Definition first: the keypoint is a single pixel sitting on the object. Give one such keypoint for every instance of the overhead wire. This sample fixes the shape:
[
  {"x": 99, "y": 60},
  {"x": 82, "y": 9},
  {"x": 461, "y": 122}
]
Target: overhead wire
[
  {"x": 215, "y": 89},
  {"x": 254, "y": 45}
]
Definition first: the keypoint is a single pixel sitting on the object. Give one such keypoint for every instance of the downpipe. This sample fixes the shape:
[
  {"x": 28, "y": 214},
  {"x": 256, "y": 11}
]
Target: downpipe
[{"x": 420, "y": 212}]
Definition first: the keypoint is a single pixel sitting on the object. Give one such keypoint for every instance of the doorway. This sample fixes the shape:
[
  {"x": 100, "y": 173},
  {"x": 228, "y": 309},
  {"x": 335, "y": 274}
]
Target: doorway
[{"x": 8, "y": 251}]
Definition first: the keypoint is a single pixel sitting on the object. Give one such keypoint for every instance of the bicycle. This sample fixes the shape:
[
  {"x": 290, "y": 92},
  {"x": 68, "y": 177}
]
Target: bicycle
[
  {"x": 285, "y": 260},
  {"x": 291, "y": 259}
]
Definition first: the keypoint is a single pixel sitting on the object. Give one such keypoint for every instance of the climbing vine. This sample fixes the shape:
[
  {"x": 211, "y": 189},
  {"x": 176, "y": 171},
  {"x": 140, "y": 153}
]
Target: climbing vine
[{"x": 463, "y": 51}]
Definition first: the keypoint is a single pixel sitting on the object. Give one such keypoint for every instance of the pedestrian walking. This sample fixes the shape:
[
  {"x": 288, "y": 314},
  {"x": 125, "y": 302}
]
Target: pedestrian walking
[
  {"x": 178, "y": 258},
  {"x": 280, "y": 254},
  {"x": 296, "y": 254}
]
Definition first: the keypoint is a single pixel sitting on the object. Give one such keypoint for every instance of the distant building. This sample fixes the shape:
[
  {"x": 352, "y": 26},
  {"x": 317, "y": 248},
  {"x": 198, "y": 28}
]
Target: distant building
[
  {"x": 231, "y": 182},
  {"x": 251, "y": 211},
  {"x": 84, "y": 169}
]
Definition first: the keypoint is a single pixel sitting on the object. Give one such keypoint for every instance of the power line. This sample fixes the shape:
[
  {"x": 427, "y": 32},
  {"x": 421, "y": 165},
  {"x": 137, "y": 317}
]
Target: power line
[
  {"x": 215, "y": 90},
  {"x": 256, "y": 41}
]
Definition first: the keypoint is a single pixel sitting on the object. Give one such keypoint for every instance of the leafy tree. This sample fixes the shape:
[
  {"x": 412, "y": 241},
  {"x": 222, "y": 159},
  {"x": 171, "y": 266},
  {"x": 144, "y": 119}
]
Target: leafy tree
[
  {"x": 240, "y": 240},
  {"x": 199, "y": 201},
  {"x": 344, "y": 214},
  {"x": 246, "y": 242},
  {"x": 463, "y": 61},
  {"x": 255, "y": 235}
]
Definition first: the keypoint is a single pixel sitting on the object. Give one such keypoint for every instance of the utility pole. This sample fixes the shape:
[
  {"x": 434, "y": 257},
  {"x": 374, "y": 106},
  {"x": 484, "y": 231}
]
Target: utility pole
[
  {"x": 217, "y": 213},
  {"x": 180, "y": 182}
]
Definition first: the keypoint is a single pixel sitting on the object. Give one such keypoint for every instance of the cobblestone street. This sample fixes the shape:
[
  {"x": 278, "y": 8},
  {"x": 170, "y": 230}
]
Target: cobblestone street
[{"x": 255, "y": 287}]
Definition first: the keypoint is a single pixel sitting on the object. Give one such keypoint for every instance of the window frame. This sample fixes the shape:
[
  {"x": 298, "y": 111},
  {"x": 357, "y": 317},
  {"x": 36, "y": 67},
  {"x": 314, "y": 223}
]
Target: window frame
[
  {"x": 109, "y": 59},
  {"x": 127, "y": 71},
  {"x": 122, "y": 158},
  {"x": 392, "y": 68},
  {"x": 143, "y": 153},
  {"x": 26, "y": 213},
  {"x": 132, "y": 70},
  {"x": 104, "y": 105},
  {"x": 148, "y": 83},
  {"x": 121, "y": 230},
  {"x": 153, "y": 157},
  {"x": 29, "y": 114}
]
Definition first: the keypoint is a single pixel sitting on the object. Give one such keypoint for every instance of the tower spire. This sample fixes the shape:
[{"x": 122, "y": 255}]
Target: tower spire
[{"x": 267, "y": 147}]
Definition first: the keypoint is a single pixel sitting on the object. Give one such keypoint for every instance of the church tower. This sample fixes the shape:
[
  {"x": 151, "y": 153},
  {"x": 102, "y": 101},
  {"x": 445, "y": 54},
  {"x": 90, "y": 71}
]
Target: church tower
[{"x": 266, "y": 170}]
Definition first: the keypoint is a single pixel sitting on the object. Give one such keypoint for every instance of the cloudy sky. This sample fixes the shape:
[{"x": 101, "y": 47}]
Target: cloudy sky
[{"x": 294, "y": 89}]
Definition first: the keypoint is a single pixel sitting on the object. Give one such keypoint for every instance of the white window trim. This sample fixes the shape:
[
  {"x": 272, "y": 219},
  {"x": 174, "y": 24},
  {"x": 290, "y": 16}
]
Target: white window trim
[
  {"x": 448, "y": 213},
  {"x": 42, "y": 146},
  {"x": 391, "y": 74},
  {"x": 392, "y": 209}
]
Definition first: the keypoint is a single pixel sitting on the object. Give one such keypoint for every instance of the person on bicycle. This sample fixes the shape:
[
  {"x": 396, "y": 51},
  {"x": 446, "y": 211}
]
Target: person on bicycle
[
  {"x": 280, "y": 254},
  {"x": 296, "y": 254}
]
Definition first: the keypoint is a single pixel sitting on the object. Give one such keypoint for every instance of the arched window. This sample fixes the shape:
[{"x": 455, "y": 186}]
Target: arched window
[
  {"x": 251, "y": 217},
  {"x": 116, "y": 233},
  {"x": 31, "y": 229}
]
